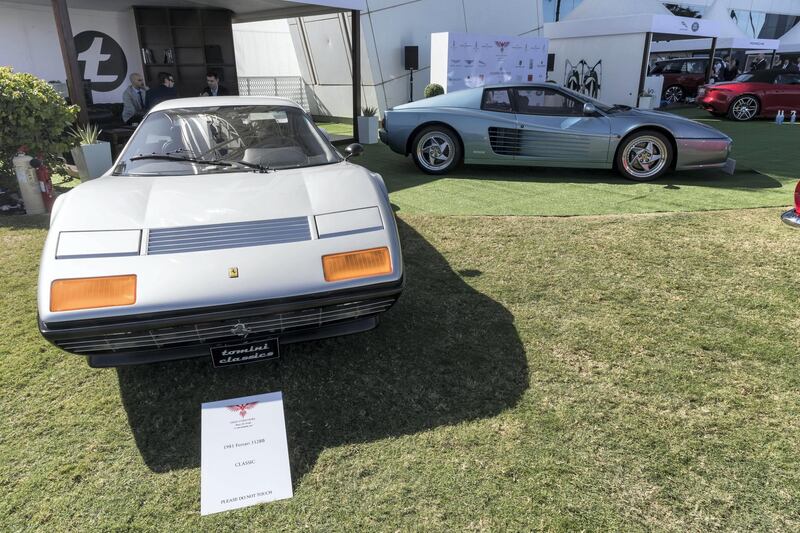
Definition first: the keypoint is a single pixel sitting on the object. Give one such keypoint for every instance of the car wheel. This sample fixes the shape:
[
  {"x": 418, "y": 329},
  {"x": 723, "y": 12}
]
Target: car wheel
[
  {"x": 744, "y": 108},
  {"x": 674, "y": 94},
  {"x": 644, "y": 155},
  {"x": 436, "y": 150}
]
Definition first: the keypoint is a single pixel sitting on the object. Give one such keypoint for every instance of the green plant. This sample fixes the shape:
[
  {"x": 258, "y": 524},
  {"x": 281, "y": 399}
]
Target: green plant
[
  {"x": 369, "y": 111},
  {"x": 433, "y": 89},
  {"x": 85, "y": 135},
  {"x": 33, "y": 114}
]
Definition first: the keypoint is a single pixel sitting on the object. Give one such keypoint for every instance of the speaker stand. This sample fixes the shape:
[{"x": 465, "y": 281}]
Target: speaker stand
[{"x": 411, "y": 86}]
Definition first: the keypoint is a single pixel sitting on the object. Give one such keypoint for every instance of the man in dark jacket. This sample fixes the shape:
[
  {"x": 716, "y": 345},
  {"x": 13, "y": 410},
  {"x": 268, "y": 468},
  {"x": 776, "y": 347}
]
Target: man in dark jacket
[
  {"x": 164, "y": 91},
  {"x": 213, "y": 88}
]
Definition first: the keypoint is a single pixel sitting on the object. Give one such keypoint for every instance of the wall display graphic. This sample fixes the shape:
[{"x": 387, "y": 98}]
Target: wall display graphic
[
  {"x": 584, "y": 77},
  {"x": 101, "y": 60},
  {"x": 465, "y": 60}
]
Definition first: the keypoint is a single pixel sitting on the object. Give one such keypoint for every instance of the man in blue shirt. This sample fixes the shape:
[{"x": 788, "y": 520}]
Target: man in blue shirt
[
  {"x": 133, "y": 100},
  {"x": 165, "y": 90}
]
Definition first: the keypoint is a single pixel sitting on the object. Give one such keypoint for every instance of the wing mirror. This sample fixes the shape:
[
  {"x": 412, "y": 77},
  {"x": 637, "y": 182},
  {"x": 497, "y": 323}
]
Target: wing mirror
[
  {"x": 589, "y": 109},
  {"x": 353, "y": 150}
]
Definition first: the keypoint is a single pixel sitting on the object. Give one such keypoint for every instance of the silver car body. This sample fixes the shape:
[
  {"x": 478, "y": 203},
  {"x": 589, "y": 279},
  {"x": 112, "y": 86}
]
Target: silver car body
[
  {"x": 182, "y": 234},
  {"x": 549, "y": 140}
]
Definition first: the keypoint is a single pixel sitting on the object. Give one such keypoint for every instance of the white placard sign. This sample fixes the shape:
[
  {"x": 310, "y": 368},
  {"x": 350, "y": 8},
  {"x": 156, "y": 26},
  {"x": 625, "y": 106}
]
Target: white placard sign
[
  {"x": 244, "y": 458},
  {"x": 464, "y": 60}
]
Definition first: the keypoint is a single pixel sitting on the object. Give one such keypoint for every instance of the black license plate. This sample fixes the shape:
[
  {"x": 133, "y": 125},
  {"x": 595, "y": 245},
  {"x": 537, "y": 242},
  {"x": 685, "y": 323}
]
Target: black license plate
[{"x": 250, "y": 352}]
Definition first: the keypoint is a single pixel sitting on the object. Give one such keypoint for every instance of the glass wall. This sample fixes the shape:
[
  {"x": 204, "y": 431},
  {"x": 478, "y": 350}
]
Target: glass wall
[{"x": 555, "y": 10}]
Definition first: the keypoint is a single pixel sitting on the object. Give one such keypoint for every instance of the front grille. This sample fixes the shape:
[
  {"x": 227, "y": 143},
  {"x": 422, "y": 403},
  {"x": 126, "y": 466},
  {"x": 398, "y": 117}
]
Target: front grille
[
  {"x": 212, "y": 332},
  {"x": 222, "y": 236}
]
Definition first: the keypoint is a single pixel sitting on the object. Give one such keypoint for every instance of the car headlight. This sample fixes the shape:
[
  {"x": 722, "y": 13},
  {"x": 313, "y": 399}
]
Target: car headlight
[
  {"x": 348, "y": 222},
  {"x": 79, "y": 244}
]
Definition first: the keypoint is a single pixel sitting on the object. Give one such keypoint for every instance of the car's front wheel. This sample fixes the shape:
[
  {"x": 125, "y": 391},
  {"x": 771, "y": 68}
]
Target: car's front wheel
[
  {"x": 644, "y": 155},
  {"x": 436, "y": 150},
  {"x": 744, "y": 108}
]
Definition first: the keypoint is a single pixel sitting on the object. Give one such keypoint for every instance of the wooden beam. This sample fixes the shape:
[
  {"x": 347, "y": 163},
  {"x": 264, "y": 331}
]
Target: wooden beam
[
  {"x": 70, "y": 56},
  {"x": 355, "y": 43},
  {"x": 710, "y": 67}
]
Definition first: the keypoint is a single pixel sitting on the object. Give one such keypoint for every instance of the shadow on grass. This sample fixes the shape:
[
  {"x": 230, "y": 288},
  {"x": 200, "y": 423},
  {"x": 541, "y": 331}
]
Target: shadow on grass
[{"x": 443, "y": 354}]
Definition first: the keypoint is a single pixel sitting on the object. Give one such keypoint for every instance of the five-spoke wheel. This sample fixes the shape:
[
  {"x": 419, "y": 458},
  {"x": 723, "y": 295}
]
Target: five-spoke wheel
[
  {"x": 644, "y": 156},
  {"x": 744, "y": 108},
  {"x": 436, "y": 150}
]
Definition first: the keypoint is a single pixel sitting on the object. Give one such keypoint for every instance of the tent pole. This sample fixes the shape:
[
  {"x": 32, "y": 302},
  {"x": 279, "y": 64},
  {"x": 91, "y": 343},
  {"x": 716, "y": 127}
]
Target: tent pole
[
  {"x": 355, "y": 43},
  {"x": 710, "y": 67},
  {"x": 70, "y": 57},
  {"x": 648, "y": 41}
]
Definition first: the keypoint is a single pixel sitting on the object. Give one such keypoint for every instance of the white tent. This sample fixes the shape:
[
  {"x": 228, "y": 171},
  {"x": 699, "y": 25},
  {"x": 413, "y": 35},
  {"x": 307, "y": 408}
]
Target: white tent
[
  {"x": 609, "y": 54},
  {"x": 790, "y": 41},
  {"x": 730, "y": 35}
]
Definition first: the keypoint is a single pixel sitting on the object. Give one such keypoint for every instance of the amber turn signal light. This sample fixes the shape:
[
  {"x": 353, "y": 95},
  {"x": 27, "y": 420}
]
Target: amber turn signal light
[
  {"x": 88, "y": 293},
  {"x": 360, "y": 264}
]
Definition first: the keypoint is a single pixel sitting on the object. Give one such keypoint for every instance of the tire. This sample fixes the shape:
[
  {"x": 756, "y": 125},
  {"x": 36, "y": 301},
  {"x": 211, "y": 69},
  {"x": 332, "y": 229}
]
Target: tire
[
  {"x": 644, "y": 155},
  {"x": 674, "y": 94},
  {"x": 743, "y": 108},
  {"x": 436, "y": 150}
]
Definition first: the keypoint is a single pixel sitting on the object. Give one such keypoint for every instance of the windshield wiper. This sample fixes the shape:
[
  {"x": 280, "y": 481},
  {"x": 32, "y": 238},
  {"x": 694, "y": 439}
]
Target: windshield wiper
[{"x": 215, "y": 162}]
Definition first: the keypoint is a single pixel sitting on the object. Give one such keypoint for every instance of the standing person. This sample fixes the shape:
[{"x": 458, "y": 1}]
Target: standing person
[
  {"x": 760, "y": 63},
  {"x": 785, "y": 64},
  {"x": 795, "y": 66},
  {"x": 213, "y": 88},
  {"x": 133, "y": 100},
  {"x": 164, "y": 91},
  {"x": 731, "y": 71}
]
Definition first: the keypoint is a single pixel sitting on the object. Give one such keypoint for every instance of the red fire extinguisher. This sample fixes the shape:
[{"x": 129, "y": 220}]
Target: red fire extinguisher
[{"x": 45, "y": 184}]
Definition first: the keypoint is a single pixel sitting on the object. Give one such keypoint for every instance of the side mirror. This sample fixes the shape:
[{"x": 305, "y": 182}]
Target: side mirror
[
  {"x": 589, "y": 109},
  {"x": 353, "y": 150}
]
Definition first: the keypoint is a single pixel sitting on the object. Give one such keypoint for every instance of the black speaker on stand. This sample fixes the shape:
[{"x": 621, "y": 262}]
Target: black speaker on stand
[{"x": 411, "y": 62}]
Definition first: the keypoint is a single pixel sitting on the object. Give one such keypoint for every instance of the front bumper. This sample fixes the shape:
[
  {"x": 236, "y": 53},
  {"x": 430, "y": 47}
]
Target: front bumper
[
  {"x": 792, "y": 218},
  {"x": 696, "y": 154},
  {"x": 715, "y": 102},
  {"x": 179, "y": 335}
]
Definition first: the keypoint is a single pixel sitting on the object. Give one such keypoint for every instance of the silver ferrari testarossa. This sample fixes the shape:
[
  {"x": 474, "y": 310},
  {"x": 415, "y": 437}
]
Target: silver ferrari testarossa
[
  {"x": 549, "y": 125},
  {"x": 228, "y": 226}
]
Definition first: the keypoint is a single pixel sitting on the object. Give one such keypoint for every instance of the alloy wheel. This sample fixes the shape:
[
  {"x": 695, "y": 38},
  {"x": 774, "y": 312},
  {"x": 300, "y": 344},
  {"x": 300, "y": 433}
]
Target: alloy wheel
[
  {"x": 644, "y": 157},
  {"x": 745, "y": 108},
  {"x": 435, "y": 151},
  {"x": 673, "y": 94}
]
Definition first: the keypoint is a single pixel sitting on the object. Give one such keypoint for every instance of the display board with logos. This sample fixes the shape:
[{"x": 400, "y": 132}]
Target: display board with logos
[{"x": 465, "y": 60}]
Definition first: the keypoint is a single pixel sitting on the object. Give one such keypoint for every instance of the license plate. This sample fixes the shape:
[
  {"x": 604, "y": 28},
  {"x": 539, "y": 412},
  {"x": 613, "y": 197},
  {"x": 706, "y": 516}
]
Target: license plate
[{"x": 250, "y": 352}]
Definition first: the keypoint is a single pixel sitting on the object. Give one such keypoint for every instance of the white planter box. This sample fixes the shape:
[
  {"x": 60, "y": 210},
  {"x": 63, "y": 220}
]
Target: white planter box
[
  {"x": 92, "y": 160},
  {"x": 645, "y": 102},
  {"x": 368, "y": 130}
]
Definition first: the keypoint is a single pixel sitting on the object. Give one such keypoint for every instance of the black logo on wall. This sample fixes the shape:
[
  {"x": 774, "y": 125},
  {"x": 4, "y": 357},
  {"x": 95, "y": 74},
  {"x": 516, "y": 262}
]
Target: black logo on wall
[
  {"x": 101, "y": 60},
  {"x": 583, "y": 77}
]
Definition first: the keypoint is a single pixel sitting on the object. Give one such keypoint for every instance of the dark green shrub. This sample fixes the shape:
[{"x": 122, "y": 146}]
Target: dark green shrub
[
  {"x": 433, "y": 89},
  {"x": 33, "y": 114}
]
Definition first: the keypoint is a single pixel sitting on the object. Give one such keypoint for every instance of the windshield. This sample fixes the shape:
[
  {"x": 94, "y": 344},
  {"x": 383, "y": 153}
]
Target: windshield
[
  {"x": 259, "y": 136},
  {"x": 744, "y": 77},
  {"x": 605, "y": 108}
]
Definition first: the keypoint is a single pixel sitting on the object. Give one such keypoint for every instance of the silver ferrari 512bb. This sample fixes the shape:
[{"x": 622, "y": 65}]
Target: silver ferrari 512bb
[
  {"x": 228, "y": 226},
  {"x": 549, "y": 125}
]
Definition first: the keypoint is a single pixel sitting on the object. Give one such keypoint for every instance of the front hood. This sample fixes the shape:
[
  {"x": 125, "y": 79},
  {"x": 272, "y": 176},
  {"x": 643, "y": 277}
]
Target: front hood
[
  {"x": 131, "y": 202},
  {"x": 680, "y": 126}
]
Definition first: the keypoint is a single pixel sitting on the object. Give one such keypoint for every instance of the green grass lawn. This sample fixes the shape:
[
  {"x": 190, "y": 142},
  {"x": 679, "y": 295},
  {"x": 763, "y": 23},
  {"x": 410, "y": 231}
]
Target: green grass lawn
[
  {"x": 767, "y": 169},
  {"x": 607, "y": 373},
  {"x": 625, "y": 371}
]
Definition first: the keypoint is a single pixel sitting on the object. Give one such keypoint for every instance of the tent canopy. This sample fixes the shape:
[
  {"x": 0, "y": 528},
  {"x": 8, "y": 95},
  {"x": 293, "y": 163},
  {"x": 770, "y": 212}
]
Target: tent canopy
[{"x": 790, "y": 42}]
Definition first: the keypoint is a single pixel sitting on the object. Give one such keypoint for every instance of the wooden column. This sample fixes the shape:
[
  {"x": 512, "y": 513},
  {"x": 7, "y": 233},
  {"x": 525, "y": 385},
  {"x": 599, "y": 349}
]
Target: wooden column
[
  {"x": 648, "y": 42},
  {"x": 355, "y": 43},
  {"x": 713, "y": 52},
  {"x": 70, "y": 56}
]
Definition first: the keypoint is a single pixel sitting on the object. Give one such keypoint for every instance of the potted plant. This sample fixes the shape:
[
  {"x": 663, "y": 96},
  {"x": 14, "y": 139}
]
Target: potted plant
[
  {"x": 433, "y": 89},
  {"x": 368, "y": 126},
  {"x": 645, "y": 100},
  {"x": 92, "y": 156}
]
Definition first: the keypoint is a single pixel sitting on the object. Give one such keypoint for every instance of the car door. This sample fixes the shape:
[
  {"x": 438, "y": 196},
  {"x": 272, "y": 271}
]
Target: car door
[
  {"x": 787, "y": 92},
  {"x": 552, "y": 127}
]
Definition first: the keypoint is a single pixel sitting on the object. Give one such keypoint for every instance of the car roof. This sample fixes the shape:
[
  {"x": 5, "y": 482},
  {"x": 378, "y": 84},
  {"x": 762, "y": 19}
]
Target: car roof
[{"x": 222, "y": 101}]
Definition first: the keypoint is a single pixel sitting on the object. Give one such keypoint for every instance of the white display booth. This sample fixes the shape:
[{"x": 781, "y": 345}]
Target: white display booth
[
  {"x": 606, "y": 57},
  {"x": 465, "y": 60}
]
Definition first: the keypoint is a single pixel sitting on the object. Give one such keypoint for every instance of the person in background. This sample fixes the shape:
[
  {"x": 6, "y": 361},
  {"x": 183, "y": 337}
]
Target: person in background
[
  {"x": 164, "y": 91},
  {"x": 213, "y": 88},
  {"x": 133, "y": 100},
  {"x": 760, "y": 63},
  {"x": 794, "y": 66},
  {"x": 731, "y": 71}
]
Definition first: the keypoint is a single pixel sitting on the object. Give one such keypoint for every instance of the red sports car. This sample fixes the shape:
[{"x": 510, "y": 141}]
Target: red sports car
[
  {"x": 792, "y": 216},
  {"x": 754, "y": 94}
]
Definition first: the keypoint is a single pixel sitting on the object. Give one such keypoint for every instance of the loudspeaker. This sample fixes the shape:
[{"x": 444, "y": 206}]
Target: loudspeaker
[
  {"x": 411, "y": 57},
  {"x": 551, "y": 62}
]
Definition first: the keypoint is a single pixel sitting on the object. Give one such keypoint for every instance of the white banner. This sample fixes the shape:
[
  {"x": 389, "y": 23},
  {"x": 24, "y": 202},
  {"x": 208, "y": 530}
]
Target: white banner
[
  {"x": 465, "y": 60},
  {"x": 244, "y": 458}
]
